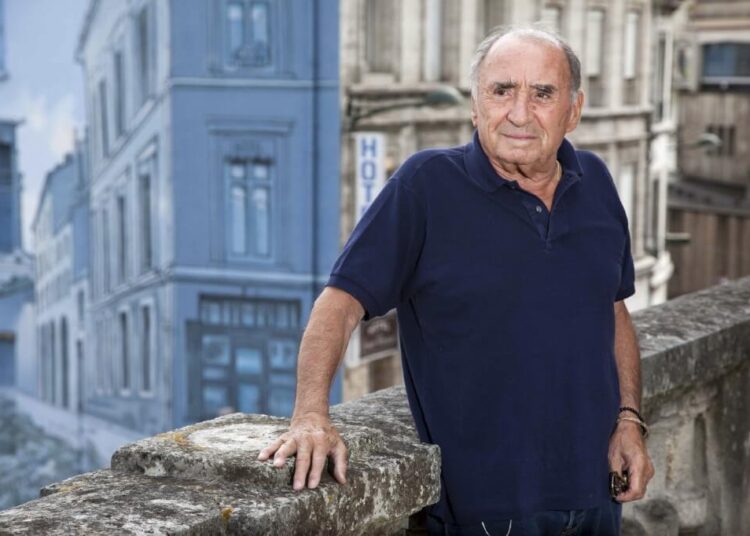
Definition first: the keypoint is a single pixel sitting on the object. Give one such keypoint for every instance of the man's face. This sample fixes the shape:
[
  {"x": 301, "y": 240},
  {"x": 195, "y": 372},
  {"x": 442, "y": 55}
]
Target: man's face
[{"x": 523, "y": 109}]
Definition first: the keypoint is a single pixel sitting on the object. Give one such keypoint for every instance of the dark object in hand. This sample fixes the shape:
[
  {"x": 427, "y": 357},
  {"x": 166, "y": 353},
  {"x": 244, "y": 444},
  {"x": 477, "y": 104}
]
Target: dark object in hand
[{"x": 618, "y": 483}]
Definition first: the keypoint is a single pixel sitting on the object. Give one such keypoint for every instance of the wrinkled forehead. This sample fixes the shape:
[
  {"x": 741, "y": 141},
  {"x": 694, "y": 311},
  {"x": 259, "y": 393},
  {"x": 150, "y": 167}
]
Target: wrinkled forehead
[{"x": 525, "y": 58}]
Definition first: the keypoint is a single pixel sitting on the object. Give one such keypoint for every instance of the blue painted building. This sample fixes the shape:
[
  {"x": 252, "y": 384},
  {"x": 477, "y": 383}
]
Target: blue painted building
[
  {"x": 214, "y": 139},
  {"x": 61, "y": 233},
  {"x": 16, "y": 283}
]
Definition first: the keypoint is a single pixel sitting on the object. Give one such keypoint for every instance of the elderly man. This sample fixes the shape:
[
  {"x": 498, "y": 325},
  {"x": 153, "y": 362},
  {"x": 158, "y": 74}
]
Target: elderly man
[{"x": 509, "y": 261}]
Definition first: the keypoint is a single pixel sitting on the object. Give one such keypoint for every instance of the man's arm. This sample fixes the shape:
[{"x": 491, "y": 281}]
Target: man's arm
[
  {"x": 627, "y": 449},
  {"x": 311, "y": 435}
]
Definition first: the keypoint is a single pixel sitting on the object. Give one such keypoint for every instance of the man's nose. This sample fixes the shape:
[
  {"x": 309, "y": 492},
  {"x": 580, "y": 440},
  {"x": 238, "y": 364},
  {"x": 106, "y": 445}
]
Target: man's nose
[{"x": 519, "y": 113}]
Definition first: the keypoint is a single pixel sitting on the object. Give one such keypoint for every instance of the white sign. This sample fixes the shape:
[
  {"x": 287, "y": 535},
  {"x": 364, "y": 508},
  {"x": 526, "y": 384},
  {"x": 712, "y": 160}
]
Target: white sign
[{"x": 370, "y": 173}]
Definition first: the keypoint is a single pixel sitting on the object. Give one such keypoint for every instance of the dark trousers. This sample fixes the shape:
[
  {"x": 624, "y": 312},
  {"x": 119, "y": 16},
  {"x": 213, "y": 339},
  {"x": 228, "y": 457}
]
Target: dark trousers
[{"x": 602, "y": 521}]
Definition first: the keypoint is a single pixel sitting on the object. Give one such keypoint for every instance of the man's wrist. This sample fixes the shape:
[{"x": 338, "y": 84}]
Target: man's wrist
[
  {"x": 314, "y": 412},
  {"x": 642, "y": 427}
]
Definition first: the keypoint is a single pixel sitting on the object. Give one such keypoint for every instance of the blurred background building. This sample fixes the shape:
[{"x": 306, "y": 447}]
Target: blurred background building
[
  {"x": 709, "y": 207},
  {"x": 396, "y": 54}
]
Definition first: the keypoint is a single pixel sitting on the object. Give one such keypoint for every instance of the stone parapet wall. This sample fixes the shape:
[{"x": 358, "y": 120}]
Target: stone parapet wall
[
  {"x": 696, "y": 387},
  {"x": 204, "y": 479}
]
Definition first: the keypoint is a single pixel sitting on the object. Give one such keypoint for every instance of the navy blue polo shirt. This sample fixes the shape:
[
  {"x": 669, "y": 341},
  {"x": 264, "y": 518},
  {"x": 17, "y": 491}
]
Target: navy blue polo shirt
[{"x": 506, "y": 316}]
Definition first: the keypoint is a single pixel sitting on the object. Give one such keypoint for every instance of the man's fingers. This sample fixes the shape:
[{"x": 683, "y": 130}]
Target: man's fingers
[
  {"x": 288, "y": 448},
  {"x": 636, "y": 482},
  {"x": 318, "y": 464},
  {"x": 270, "y": 449},
  {"x": 301, "y": 466},
  {"x": 340, "y": 461}
]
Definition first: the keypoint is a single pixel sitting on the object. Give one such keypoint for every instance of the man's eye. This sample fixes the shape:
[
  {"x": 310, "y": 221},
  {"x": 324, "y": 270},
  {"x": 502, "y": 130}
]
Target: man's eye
[
  {"x": 501, "y": 91},
  {"x": 543, "y": 95}
]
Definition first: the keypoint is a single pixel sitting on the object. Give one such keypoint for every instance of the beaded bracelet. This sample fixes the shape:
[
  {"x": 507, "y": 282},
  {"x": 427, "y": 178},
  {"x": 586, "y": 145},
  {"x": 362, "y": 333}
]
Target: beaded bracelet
[
  {"x": 632, "y": 410},
  {"x": 644, "y": 428}
]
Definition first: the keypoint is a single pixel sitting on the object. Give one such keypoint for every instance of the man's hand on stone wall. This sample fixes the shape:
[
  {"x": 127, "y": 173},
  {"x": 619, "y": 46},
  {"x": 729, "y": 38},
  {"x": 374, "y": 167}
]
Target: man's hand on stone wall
[{"x": 313, "y": 438}]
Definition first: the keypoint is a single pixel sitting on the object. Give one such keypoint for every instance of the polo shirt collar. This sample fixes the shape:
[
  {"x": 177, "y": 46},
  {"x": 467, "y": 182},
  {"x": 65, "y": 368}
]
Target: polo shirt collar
[{"x": 482, "y": 172}]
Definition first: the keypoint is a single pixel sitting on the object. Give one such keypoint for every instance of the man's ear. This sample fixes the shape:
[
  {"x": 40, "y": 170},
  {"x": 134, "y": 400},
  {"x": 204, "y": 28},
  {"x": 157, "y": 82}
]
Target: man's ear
[
  {"x": 473, "y": 112},
  {"x": 575, "y": 113}
]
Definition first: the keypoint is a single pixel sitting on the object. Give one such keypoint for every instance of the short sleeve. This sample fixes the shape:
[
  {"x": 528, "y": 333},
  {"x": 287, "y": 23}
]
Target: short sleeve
[
  {"x": 627, "y": 276},
  {"x": 381, "y": 255}
]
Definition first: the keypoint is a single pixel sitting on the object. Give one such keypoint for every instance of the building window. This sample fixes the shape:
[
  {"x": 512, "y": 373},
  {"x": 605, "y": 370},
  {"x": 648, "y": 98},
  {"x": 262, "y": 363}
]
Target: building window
[
  {"x": 104, "y": 126},
  {"x": 122, "y": 242},
  {"x": 53, "y": 363},
  {"x": 435, "y": 10},
  {"x": 631, "y": 45},
  {"x": 65, "y": 365},
  {"x": 100, "y": 355},
  {"x": 551, "y": 18},
  {"x": 146, "y": 171},
  {"x": 246, "y": 356},
  {"x": 660, "y": 84},
  {"x": 380, "y": 35},
  {"x": 80, "y": 307},
  {"x": 124, "y": 352},
  {"x": 119, "y": 94},
  {"x": 6, "y": 198},
  {"x": 492, "y": 15},
  {"x": 250, "y": 188},
  {"x": 631, "y": 59},
  {"x": 448, "y": 40},
  {"x": 3, "y": 71},
  {"x": 726, "y": 63},
  {"x": 594, "y": 54},
  {"x": 146, "y": 349},
  {"x": 105, "y": 251},
  {"x": 247, "y": 33},
  {"x": 625, "y": 187},
  {"x": 145, "y": 53},
  {"x": 80, "y": 356}
]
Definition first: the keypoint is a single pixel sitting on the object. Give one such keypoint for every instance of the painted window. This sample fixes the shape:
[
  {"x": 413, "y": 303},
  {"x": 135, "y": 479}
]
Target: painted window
[
  {"x": 246, "y": 356},
  {"x": 146, "y": 179},
  {"x": 103, "y": 115},
  {"x": 250, "y": 191},
  {"x": 145, "y": 51},
  {"x": 106, "y": 240},
  {"x": 247, "y": 33},
  {"x": 124, "y": 351},
  {"x": 147, "y": 347},
  {"x": 52, "y": 364},
  {"x": 119, "y": 93},
  {"x": 122, "y": 239},
  {"x": 64, "y": 363},
  {"x": 80, "y": 306},
  {"x": 3, "y": 71}
]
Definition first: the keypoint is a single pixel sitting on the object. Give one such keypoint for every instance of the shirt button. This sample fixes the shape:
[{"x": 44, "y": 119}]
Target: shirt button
[{"x": 538, "y": 208}]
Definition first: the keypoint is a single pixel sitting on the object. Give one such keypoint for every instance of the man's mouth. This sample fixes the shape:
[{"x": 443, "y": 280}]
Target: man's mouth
[{"x": 520, "y": 137}]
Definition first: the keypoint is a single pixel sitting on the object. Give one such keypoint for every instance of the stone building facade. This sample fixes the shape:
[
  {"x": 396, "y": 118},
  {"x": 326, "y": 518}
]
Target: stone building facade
[{"x": 395, "y": 53}]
